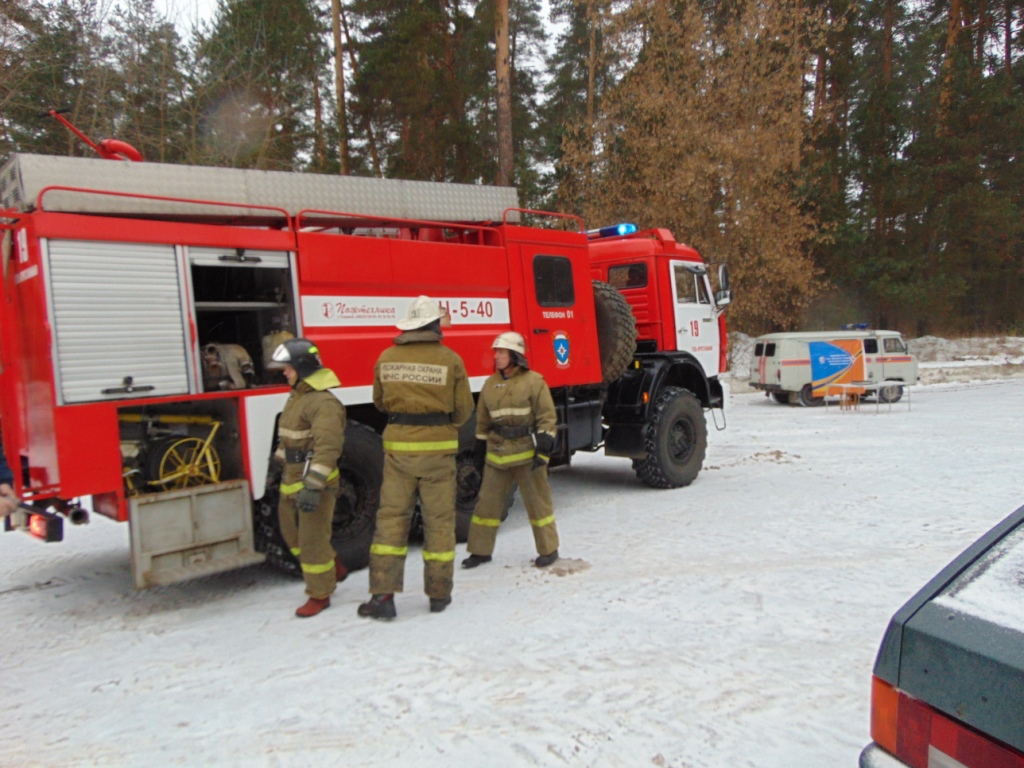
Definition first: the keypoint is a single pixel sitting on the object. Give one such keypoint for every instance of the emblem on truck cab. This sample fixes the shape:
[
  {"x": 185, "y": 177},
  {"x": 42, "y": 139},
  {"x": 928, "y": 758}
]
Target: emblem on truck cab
[{"x": 561, "y": 345}]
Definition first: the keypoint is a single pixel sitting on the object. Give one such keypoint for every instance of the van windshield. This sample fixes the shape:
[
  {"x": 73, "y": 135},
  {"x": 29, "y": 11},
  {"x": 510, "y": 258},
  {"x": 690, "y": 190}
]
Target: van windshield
[{"x": 895, "y": 344}]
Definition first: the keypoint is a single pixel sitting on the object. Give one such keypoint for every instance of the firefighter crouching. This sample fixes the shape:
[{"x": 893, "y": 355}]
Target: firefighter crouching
[
  {"x": 311, "y": 434},
  {"x": 422, "y": 387},
  {"x": 515, "y": 405},
  {"x": 8, "y": 499}
]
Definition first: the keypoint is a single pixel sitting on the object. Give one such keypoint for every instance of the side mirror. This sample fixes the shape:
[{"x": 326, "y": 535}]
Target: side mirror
[
  {"x": 724, "y": 296},
  {"x": 723, "y": 278}
]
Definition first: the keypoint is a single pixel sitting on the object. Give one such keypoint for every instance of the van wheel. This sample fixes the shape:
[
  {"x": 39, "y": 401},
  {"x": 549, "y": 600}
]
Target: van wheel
[
  {"x": 807, "y": 398},
  {"x": 355, "y": 512},
  {"x": 890, "y": 393},
  {"x": 782, "y": 398},
  {"x": 676, "y": 440},
  {"x": 616, "y": 331}
]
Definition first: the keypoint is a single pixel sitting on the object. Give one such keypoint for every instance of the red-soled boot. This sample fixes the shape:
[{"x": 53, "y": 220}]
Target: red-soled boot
[{"x": 312, "y": 607}]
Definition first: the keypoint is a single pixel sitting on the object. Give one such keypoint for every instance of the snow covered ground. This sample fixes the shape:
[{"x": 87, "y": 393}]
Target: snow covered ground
[{"x": 731, "y": 623}]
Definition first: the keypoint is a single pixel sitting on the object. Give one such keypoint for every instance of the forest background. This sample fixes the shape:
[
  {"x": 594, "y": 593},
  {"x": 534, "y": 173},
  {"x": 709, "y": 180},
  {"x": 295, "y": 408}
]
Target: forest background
[{"x": 850, "y": 160}]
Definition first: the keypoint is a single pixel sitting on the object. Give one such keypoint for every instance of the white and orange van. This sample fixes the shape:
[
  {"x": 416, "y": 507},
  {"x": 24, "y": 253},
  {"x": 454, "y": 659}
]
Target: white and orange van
[{"x": 801, "y": 367}]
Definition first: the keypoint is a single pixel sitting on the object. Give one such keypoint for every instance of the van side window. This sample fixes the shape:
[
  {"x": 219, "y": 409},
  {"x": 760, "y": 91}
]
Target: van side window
[
  {"x": 628, "y": 276},
  {"x": 759, "y": 349},
  {"x": 893, "y": 344},
  {"x": 870, "y": 346},
  {"x": 769, "y": 349},
  {"x": 552, "y": 279}
]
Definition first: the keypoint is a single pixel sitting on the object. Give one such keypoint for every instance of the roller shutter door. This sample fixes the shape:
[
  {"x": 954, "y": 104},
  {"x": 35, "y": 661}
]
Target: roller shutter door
[{"x": 118, "y": 320}]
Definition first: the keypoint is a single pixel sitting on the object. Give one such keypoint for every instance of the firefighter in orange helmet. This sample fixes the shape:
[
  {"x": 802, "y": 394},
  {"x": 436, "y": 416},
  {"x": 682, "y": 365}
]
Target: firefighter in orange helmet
[
  {"x": 423, "y": 388},
  {"x": 515, "y": 434},
  {"x": 311, "y": 435}
]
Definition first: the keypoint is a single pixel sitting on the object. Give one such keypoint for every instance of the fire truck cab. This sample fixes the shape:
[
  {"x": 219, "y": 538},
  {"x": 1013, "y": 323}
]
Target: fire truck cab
[{"x": 142, "y": 301}]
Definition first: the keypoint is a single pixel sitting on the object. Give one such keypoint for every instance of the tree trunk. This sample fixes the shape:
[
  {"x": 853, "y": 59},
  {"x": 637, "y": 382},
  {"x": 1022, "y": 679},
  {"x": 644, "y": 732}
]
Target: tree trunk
[
  {"x": 319, "y": 150},
  {"x": 948, "y": 62},
  {"x": 501, "y": 68},
  {"x": 367, "y": 125},
  {"x": 339, "y": 87},
  {"x": 591, "y": 61}
]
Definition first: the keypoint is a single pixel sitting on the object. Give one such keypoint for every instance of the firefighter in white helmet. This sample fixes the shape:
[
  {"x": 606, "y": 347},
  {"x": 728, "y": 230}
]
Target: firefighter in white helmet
[
  {"x": 515, "y": 435},
  {"x": 423, "y": 388},
  {"x": 311, "y": 435}
]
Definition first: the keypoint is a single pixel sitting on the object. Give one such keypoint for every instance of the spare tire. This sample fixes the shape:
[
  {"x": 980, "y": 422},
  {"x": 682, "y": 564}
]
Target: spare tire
[{"x": 616, "y": 331}]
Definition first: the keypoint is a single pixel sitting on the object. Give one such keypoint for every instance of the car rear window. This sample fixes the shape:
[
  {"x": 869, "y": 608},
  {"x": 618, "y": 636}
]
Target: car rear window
[
  {"x": 769, "y": 349},
  {"x": 759, "y": 349},
  {"x": 992, "y": 589}
]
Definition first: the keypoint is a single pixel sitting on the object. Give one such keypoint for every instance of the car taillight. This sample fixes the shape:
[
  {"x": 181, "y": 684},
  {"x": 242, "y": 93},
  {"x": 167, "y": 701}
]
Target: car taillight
[{"x": 922, "y": 736}]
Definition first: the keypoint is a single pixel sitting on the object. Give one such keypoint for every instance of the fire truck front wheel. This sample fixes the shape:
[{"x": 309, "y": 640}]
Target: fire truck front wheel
[
  {"x": 362, "y": 469},
  {"x": 468, "y": 491},
  {"x": 676, "y": 440}
]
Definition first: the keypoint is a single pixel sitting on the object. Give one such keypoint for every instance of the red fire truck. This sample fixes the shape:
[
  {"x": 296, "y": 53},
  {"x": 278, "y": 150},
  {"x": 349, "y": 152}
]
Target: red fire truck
[{"x": 142, "y": 300}]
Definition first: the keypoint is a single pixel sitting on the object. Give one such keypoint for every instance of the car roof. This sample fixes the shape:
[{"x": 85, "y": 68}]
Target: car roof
[
  {"x": 958, "y": 644},
  {"x": 820, "y": 335}
]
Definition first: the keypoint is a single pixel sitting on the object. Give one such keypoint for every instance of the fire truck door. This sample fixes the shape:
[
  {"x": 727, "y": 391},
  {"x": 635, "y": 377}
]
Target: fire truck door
[
  {"x": 696, "y": 322},
  {"x": 559, "y": 344},
  {"x": 118, "y": 318}
]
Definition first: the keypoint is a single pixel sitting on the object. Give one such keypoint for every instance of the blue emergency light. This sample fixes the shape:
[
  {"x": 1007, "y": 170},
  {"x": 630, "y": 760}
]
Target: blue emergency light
[
  {"x": 615, "y": 230},
  {"x": 855, "y": 326}
]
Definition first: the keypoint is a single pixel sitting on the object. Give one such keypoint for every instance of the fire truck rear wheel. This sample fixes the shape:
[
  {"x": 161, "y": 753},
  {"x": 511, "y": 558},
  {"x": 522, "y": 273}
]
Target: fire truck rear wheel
[
  {"x": 807, "y": 398},
  {"x": 362, "y": 470},
  {"x": 355, "y": 513},
  {"x": 616, "y": 331},
  {"x": 676, "y": 440}
]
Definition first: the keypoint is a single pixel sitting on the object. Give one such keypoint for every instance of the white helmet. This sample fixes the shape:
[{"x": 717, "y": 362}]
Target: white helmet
[
  {"x": 423, "y": 311},
  {"x": 512, "y": 341}
]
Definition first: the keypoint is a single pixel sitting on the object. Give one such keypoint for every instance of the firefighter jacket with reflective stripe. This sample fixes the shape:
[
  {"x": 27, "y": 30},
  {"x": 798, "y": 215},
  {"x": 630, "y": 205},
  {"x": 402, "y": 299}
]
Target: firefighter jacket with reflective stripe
[
  {"x": 521, "y": 400},
  {"x": 313, "y": 420},
  {"x": 419, "y": 375}
]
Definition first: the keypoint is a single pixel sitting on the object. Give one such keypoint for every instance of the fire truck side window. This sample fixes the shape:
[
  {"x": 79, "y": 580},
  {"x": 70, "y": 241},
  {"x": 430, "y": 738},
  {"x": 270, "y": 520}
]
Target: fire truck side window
[
  {"x": 690, "y": 287},
  {"x": 552, "y": 276},
  {"x": 870, "y": 346},
  {"x": 628, "y": 276}
]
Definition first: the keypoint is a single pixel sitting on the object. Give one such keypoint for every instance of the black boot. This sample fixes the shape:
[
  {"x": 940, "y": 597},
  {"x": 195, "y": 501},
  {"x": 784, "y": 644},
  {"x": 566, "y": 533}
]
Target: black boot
[
  {"x": 379, "y": 607},
  {"x": 438, "y": 604},
  {"x": 474, "y": 560},
  {"x": 545, "y": 560}
]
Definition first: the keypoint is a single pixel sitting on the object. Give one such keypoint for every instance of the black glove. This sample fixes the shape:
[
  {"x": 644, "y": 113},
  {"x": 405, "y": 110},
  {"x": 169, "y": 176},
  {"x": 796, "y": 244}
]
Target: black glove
[
  {"x": 542, "y": 455},
  {"x": 308, "y": 499},
  {"x": 479, "y": 455}
]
